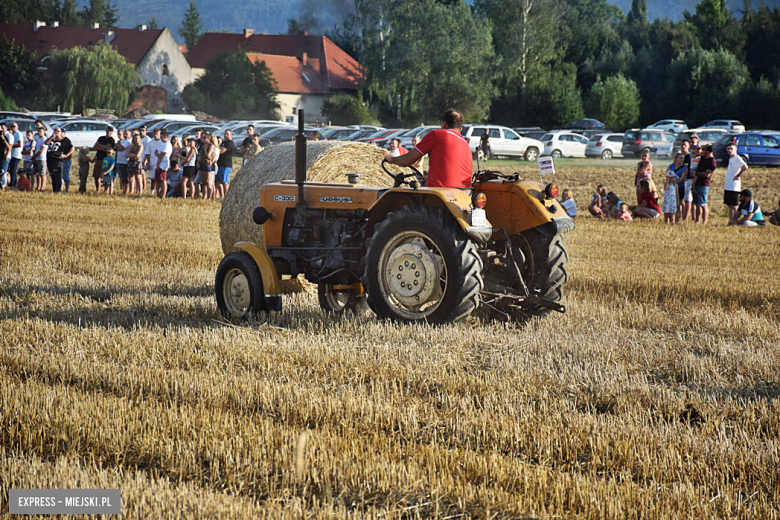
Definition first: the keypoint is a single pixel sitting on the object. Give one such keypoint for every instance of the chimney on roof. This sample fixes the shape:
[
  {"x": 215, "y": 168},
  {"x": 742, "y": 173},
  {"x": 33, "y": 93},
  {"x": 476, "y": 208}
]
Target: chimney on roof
[
  {"x": 38, "y": 24},
  {"x": 303, "y": 33},
  {"x": 304, "y": 59},
  {"x": 96, "y": 25},
  {"x": 55, "y": 24},
  {"x": 248, "y": 33},
  {"x": 142, "y": 28},
  {"x": 110, "y": 35}
]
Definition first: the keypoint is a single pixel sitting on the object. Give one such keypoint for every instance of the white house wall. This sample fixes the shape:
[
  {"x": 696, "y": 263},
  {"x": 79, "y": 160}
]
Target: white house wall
[
  {"x": 310, "y": 103},
  {"x": 165, "y": 51}
]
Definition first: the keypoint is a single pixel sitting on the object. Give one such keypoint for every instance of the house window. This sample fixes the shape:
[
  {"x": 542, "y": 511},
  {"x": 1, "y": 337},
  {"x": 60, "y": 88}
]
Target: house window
[
  {"x": 295, "y": 110},
  {"x": 165, "y": 70}
]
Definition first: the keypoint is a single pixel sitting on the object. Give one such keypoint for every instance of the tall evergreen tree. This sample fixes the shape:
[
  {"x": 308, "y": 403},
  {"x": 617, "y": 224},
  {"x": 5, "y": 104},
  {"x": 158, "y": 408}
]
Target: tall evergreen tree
[
  {"x": 191, "y": 28},
  {"x": 69, "y": 14},
  {"x": 293, "y": 27},
  {"x": 111, "y": 15},
  {"x": 97, "y": 11},
  {"x": 152, "y": 23}
]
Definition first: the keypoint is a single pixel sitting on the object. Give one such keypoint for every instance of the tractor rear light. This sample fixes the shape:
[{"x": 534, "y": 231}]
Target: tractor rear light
[
  {"x": 551, "y": 191},
  {"x": 480, "y": 200}
]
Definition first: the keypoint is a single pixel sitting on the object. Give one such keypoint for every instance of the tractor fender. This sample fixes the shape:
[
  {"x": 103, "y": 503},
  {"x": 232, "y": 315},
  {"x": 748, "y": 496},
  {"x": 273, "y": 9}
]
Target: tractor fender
[
  {"x": 453, "y": 200},
  {"x": 271, "y": 286}
]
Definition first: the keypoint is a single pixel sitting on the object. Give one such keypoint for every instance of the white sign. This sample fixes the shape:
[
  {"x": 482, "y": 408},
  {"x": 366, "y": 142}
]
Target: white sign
[
  {"x": 478, "y": 218},
  {"x": 546, "y": 165}
]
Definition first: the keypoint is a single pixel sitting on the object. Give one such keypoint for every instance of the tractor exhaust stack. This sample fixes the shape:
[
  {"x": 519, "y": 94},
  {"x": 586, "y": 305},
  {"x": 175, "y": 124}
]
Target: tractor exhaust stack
[{"x": 300, "y": 157}]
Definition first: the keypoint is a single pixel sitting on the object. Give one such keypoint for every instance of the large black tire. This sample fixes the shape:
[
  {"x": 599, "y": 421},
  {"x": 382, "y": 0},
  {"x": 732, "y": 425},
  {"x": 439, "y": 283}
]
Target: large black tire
[
  {"x": 239, "y": 286},
  {"x": 338, "y": 302},
  {"x": 449, "y": 274},
  {"x": 544, "y": 268}
]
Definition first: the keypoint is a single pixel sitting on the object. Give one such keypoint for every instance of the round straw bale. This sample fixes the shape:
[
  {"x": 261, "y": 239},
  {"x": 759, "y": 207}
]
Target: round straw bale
[{"x": 326, "y": 161}]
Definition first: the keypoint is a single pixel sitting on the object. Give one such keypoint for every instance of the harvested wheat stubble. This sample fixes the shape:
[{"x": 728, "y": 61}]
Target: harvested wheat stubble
[{"x": 326, "y": 161}]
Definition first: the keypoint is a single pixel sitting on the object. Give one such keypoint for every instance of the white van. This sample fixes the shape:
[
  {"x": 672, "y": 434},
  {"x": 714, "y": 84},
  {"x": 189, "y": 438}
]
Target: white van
[{"x": 172, "y": 117}]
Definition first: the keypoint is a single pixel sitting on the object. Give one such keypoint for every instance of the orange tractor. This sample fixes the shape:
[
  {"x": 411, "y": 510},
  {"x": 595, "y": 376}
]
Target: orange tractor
[{"x": 408, "y": 253}]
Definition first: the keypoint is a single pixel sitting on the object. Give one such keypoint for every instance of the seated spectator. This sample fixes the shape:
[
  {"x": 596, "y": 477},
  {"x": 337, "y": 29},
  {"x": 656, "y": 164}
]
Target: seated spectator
[
  {"x": 774, "y": 217},
  {"x": 568, "y": 203},
  {"x": 174, "y": 180},
  {"x": 23, "y": 183},
  {"x": 623, "y": 213},
  {"x": 644, "y": 170},
  {"x": 612, "y": 207},
  {"x": 648, "y": 201},
  {"x": 749, "y": 212},
  {"x": 599, "y": 202}
]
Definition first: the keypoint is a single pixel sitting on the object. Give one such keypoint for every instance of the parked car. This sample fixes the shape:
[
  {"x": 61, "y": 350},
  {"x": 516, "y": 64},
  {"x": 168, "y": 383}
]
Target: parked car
[
  {"x": 754, "y": 148},
  {"x": 503, "y": 141},
  {"x": 534, "y": 134},
  {"x": 585, "y": 124},
  {"x": 28, "y": 124},
  {"x": 605, "y": 146},
  {"x": 367, "y": 127},
  {"x": 705, "y": 135},
  {"x": 383, "y": 142},
  {"x": 731, "y": 125},
  {"x": 190, "y": 130},
  {"x": 420, "y": 131},
  {"x": 84, "y": 132},
  {"x": 16, "y": 115},
  {"x": 636, "y": 142},
  {"x": 564, "y": 144},
  {"x": 662, "y": 150},
  {"x": 587, "y": 134},
  {"x": 377, "y": 135},
  {"x": 670, "y": 125}
]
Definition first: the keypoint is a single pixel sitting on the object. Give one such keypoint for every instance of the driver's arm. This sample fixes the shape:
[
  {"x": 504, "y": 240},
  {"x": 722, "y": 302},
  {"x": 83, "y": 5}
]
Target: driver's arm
[{"x": 406, "y": 159}]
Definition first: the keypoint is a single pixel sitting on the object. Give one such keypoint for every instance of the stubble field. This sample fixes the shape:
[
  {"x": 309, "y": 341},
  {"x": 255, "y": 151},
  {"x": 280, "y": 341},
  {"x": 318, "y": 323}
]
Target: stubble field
[{"x": 654, "y": 396}]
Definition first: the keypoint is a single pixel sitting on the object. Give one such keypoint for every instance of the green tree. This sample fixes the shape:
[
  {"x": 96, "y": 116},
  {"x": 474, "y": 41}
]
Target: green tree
[
  {"x": 152, "y": 23},
  {"x": 70, "y": 15},
  {"x": 18, "y": 70},
  {"x": 6, "y": 103},
  {"x": 94, "y": 77},
  {"x": 232, "y": 87},
  {"x": 637, "y": 28},
  {"x": 346, "y": 109},
  {"x": 614, "y": 101},
  {"x": 110, "y": 15},
  {"x": 191, "y": 28},
  {"x": 293, "y": 27},
  {"x": 96, "y": 12}
]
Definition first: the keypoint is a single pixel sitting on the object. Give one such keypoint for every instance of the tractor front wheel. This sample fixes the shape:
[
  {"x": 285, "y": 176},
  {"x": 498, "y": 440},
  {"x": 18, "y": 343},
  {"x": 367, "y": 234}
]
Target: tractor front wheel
[
  {"x": 420, "y": 266},
  {"x": 239, "y": 286}
]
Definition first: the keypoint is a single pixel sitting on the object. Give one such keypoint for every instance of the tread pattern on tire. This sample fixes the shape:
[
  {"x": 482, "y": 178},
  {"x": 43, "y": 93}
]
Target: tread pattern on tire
[
  {"x": 467, "y": 281},
  {"x": 243, "y": 261},
  {"x": 550, "y": 274}
]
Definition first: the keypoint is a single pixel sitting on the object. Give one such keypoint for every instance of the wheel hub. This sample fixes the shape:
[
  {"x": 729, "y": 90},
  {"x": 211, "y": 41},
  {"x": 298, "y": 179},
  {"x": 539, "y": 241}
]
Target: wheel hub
[
  {"x": 237, "y": 291},
  {"x": 412, "y": 274}
]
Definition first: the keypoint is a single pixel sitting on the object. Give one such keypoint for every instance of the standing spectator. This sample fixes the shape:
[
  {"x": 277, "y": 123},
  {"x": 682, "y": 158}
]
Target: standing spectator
[
  {"x": 684, "y": 195},
  {"x": 151, "y": 158},
  {"x": 671, "y": 181},
  {"x": 217, "y": 142},
  {"x": 121, "y": 159},
  {"x": 163, "y": 163},
  {"x": 107, "y": 167},
  {"x": 648, "y": 201},
  {"x": 250, "y": 132},
  {"x": 6, "y": 144},
  {"x": 750, "y": 212},
  {"x": 701, "y": 185},
  {"x": 39, "y": 156},
  {"x": 484, "y": 143},
  {"x": 135, "y": 169},
  {"x": 16, "y": 151},
  {"x": 84, "y": 161},
  {"x": 254, "y": 148},
  {"x": 597, "y": 205},
  {"x": 314, "y": 136},
  {"x": 102, "y": 145},
  {"x": 145, "y": 140},
  {"x": 67, "y": 162},
  {"x": 225, "y": 164},
  {"x": 28, "y": 149},
  {"x": 205, "y": 162},
  {"x": 59, "y": 146},
  {"x": 395, "y": 147},
  {"x": 644, "y": 170},
  {"x": 733, "y": 184},
  {"x": 419, "y": 164},
  {"x": 568, "y": 203},
  {"x": 189, "y": 157}
]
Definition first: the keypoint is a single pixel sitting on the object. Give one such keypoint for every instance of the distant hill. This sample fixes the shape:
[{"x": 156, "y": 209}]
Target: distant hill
[{"x": 270, "y": 16}]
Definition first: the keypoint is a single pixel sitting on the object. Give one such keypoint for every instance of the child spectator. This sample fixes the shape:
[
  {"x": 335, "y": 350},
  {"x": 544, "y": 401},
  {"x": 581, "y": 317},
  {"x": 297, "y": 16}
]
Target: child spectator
[
  {"x": 108, "y": 171},
  {"x": 648, "y": 201},
  {"x": 598, "y": 204},
  {"x": 612, "y": 208},
  {"x": 23, "y": 183},
  {"x": 673, "y": 178},
  {"x": 623, "y": 213},
  {"x": 84, "y": 168},
  {"x": 27, "y": 154},
  {"x": 568, "y": 203},
  {"x": 174, "y": 180},
  {"x": 774, "y": 217}
]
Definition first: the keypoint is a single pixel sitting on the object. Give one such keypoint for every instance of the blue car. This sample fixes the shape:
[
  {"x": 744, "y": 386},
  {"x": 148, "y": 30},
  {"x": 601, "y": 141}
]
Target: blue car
[{"x": 755, "y": 148}]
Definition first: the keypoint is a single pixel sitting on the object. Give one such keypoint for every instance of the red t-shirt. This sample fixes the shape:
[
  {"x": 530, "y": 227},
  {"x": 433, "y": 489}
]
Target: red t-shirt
[
  {"x": 23, "y": 184},
  {"x": 651, "y": 203},
  {"x": 402, "y": 150},
  {"x": 449, "y": 159}
]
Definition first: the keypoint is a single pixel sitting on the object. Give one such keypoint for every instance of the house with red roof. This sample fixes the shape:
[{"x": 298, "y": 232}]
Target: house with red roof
[
  {"x": 306, "y": 68},
  {"x": 156, "y": 56}
]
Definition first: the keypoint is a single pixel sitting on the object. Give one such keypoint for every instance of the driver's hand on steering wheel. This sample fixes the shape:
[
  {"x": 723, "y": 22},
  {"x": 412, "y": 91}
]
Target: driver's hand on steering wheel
[{"x": 389, "y": 158}]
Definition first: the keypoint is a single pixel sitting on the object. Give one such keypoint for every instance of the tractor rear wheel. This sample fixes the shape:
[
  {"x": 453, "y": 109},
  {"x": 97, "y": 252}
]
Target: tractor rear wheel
[
  {"x": 420, "y": 266},
  {"x": 339, "y": 301},
  {"x": 544, "y": 269},
  {"x": 239, "y": 286}
]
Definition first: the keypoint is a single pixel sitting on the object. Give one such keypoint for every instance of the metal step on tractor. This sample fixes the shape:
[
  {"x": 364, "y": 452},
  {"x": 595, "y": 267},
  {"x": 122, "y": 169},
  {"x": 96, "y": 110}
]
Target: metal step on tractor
[{"x": 408, "y": 253}]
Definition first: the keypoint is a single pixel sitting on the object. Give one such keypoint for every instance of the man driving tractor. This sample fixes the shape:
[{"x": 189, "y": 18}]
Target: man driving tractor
[{"x": 449, "y": 155}]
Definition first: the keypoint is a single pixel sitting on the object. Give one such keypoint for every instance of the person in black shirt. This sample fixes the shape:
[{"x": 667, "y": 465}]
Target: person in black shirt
[
  {"x": 102, "y": 145},
  {"x": 59, "y": 146},
  {"x": 247, "y": 144},
  {"x": 225, "y": 164}
]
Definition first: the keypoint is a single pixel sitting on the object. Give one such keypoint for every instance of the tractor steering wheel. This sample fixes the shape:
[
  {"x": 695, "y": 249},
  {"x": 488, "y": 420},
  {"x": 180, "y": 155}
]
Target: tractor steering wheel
[{"x": 400, "y": 178}]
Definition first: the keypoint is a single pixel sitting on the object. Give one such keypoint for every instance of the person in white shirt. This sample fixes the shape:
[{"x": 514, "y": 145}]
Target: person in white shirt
[
  {"x": 733, "y": 184},
  {"x": 567, "y": 203},
  {"x": 151, "y": 161},
  {"x": 145, "y": 140},
  {"x": 39, "y": 158},
  {"x": 162, "y": 154},
  {"x": 121, "y": 158}
]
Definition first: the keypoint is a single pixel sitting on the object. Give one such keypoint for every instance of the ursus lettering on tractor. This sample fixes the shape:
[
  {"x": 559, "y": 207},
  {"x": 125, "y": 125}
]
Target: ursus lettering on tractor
[{"x": 409, "y": 253}]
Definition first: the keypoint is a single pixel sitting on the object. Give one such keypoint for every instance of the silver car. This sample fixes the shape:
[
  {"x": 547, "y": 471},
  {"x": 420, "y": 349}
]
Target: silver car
[{"x": 605, "y": 146}]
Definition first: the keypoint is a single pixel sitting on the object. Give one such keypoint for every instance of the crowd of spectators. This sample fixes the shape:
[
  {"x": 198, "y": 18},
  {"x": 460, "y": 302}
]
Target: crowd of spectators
[{"x": 200, "y": 167}]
